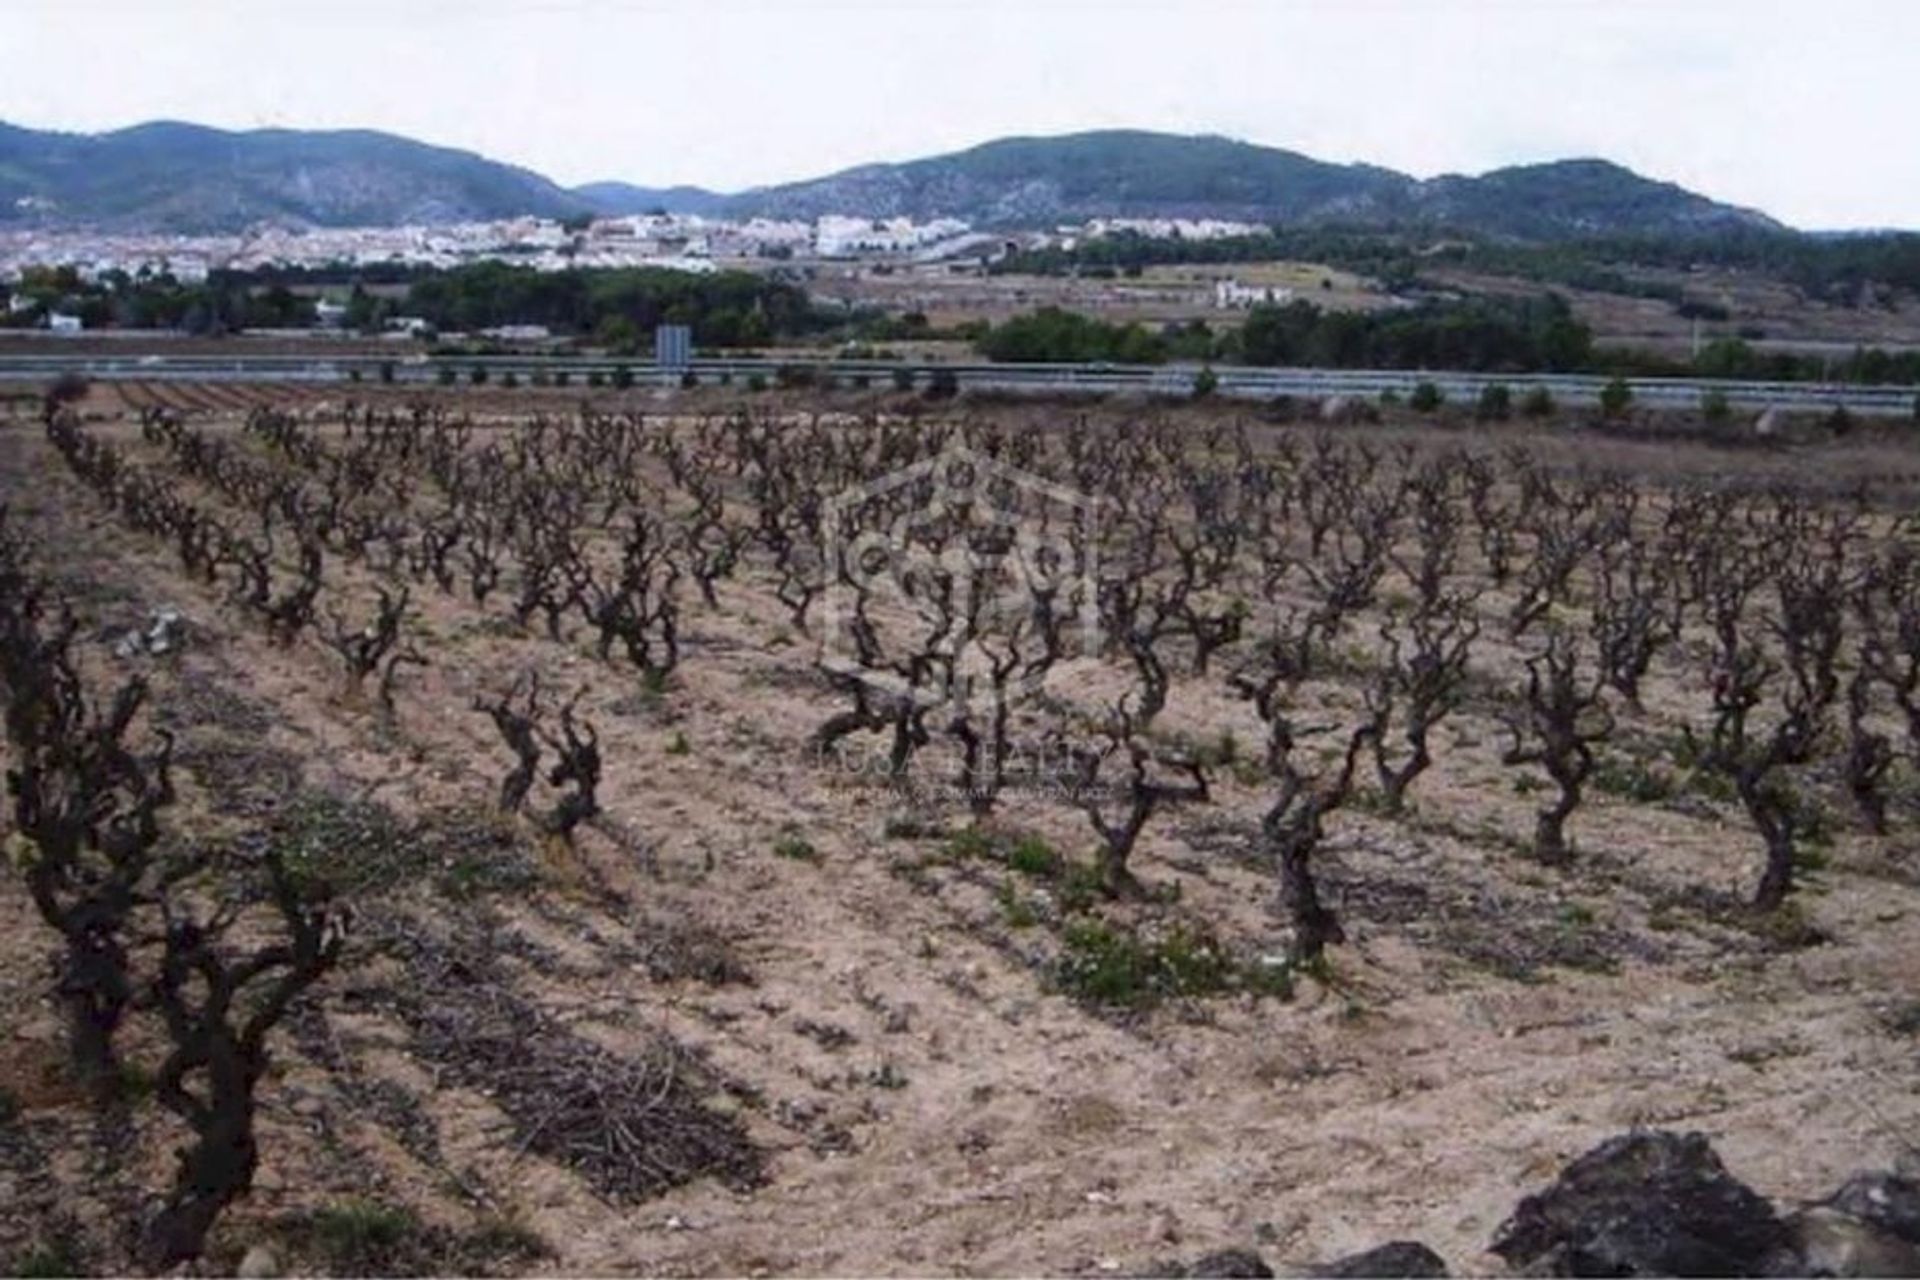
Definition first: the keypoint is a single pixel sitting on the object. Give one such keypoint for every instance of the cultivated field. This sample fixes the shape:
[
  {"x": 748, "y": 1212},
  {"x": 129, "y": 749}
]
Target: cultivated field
[{"x": 761, "y": 836}]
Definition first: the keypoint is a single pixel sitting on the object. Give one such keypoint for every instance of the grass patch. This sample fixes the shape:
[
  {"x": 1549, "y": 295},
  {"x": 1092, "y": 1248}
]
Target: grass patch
[
  {"x": 368, "y": 1238},
  {"x": 1016, "y": 908},
  {"x": 359, "y": 1238},
  {"x": 677, "y": 744},
  {"x": 1033, "y": 856},
  {"x": 1104, "y": 965},
  {"x": 795, "y": 848},
  {"x": 361, "y": 849},
  {"x": 1633, "y": 780},
  {"x": 969, "y": 842}
]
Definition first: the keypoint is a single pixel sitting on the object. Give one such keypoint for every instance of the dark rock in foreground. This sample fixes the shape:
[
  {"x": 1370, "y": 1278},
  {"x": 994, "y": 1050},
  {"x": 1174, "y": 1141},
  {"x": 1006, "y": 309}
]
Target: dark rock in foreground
[
  {"x": 1406, "y": 1259},
  {"x": 1648, "y": 1204}
]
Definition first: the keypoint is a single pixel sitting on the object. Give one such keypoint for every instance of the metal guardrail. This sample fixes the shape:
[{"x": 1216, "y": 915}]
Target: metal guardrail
[{"x": 1178, "y": 380}]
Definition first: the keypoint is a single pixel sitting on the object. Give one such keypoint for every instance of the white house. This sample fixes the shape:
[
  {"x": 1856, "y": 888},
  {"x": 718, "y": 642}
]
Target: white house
[
  {"x": 1231, "y": 295},
  {"x": 62, "y": 322}
]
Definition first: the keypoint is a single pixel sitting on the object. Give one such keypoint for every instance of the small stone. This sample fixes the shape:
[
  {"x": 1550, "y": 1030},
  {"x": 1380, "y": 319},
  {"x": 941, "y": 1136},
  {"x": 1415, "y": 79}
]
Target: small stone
[
  {"x": 1231, "y": 1264},
  {"x": 258, "y": 1263}
]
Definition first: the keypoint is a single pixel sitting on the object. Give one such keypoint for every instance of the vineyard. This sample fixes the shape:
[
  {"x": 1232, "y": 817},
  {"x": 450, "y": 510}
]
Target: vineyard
[{"x": 461, "y": 833}]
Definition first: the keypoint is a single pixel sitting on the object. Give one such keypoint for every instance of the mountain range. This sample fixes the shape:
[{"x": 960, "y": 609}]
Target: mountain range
[{"x": 180, "y": 177}]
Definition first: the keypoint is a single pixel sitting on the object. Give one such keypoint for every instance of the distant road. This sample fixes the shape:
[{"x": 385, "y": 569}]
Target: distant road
[{"x": 1175, "y": 380}]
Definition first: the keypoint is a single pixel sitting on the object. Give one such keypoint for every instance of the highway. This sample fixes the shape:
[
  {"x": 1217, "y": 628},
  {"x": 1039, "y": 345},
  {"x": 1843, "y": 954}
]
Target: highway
[{"x": 1172, "y": 380}]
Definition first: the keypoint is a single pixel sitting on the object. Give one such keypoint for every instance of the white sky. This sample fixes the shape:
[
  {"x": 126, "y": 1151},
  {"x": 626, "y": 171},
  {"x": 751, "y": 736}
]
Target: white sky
[{"x": 1807, "y": 111}]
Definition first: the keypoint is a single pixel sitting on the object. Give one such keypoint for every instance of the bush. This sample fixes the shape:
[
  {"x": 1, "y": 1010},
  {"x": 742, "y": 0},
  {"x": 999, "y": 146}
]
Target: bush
[
  {"x": 1714, "y": 407},
  {"x": 477, "y": 374},
  {"x": 689, "y": 379},
  {"x": 795, "y": 849},
  {"x": 595, "y": 378},
  {"x": 1615, "y": 398},
  {"x": 1104, "y": 965},
  {"x": 1205, "y": 383},
  {"x": 943, "y": 385},
  {"x": 1034, "y": 857},
  {"x": 903, "y": 381},
  {"x": 386, "y": 371},
  {"x": 509, "y": 379},
  {"x": 1496, "y": 403},
  {"x": 622, "y": 377},
  {"x": 360, "y": 1237},
  {"x": 1426, "y": 398},
  {"x": 794, "y": 376},
  {"x": 756, "y": 382},
  {"x": 444, "y": 375},
  {"x": 561, "y": 377},
  {"x": 1538, "y": 403}
]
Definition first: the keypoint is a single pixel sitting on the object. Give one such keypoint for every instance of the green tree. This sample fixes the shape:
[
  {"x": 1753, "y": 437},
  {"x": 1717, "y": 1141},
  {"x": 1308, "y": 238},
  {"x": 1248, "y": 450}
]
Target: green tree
[
  {"x": 1714, "y": 407},
  {"x": 1205, "y": 383},
  {"x": 619, "y": 335},
  {"x": 1496, "y": 403},
  {"x": 1615, "y": 398}
]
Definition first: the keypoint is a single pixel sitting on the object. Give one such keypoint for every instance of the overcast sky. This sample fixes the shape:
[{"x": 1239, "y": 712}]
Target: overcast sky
[{"x": 1805, "y": 110}]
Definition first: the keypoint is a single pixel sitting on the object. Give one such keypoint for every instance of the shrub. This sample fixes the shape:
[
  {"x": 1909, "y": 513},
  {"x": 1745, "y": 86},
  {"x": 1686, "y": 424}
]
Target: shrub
[
  {"x": 1426, "y": 398},
  {"x": 756, "y": 382},
  {"x": 444, "y": 375},
  {"x": 1615, "y": 398},
  {"x": 1205, "y": 383},
  {"x": 795, "y": 848},
  {"x": 944, "y": 384},
  {"x": 622, "y": 376},
  {"x": 1104, "y": 965},
  {"x": 477, "y": 374},
  {"x": 1714, "y": 407},
  {"x": 358, "y": 1237},
  {"x": 1496, "y": 403},
  {"x": 969, "y": 842},
  {"x": 1034, "y": 857},
  {"x": 1538, "y": 403}
]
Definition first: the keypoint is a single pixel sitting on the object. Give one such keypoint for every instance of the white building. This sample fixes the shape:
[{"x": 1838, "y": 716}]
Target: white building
[
  {"x": 61, "y": 322},
  {"x": 1231, "y": 295}
]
